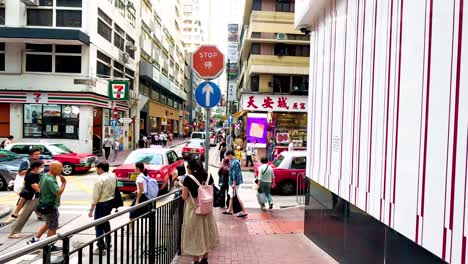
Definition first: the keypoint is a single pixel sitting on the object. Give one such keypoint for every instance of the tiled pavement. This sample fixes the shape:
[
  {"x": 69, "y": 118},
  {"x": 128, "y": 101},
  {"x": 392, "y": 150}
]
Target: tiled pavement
[{"x": 272, "y": 237}]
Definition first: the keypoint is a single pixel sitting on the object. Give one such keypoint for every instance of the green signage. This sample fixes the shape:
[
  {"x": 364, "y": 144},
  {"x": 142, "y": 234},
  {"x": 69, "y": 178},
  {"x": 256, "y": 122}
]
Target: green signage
[{"x": 118, "y": 90}]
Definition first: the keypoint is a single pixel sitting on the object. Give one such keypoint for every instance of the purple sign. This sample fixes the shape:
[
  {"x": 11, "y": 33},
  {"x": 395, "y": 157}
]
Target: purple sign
[{"x": 257, "y": 125}]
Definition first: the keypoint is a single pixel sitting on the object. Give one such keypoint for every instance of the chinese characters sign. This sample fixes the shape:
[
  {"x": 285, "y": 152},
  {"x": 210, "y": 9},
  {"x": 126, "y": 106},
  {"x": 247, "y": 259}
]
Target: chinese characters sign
[
  {"x": 118, "y": 90},
  {"x": 274, "y": 103}
]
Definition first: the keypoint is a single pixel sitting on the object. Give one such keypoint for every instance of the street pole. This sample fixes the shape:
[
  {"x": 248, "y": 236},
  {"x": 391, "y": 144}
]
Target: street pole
[
  {"x": 207, "y": 138},
  {"x": 227, "y": 85},
  {"x": 191, "y": 92}
]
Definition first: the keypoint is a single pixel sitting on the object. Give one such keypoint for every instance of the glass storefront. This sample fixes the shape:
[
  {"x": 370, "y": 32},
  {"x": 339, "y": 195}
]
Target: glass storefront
[
  {"x": 294, "y": 124},
  {"x": 51, "y": 121}
]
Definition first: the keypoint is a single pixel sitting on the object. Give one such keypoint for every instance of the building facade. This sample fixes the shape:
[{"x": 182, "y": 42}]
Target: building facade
[
  {"x": 274, "y": 68},
  {"x": 387, "y": 133},
  {"x": 163, "y": 76},
  {"x": 56, "y": 60}
]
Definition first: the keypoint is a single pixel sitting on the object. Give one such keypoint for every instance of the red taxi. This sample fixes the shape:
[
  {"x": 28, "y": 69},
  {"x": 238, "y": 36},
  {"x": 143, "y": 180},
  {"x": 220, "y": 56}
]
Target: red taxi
[
  {"x": 195, "y": 147},
  {"x": 162, "y": 164},
  {"x": 287, "y": 167}
]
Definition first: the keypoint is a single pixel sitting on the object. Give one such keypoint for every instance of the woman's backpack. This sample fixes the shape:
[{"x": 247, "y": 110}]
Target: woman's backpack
[
  {"x": 152, "y": 187},
  {"x": 205, "y": 198}
]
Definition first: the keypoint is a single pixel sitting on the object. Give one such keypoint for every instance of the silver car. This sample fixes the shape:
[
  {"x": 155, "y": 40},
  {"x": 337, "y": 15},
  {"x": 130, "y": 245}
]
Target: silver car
[{"x": 9, "y": 165}]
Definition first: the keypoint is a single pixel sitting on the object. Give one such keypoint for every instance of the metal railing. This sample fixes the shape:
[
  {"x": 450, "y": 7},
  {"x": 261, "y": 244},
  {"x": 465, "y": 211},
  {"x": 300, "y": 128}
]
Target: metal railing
[
  {"x": 300, "y": 188},
  {"x": 154, "y": 237}
]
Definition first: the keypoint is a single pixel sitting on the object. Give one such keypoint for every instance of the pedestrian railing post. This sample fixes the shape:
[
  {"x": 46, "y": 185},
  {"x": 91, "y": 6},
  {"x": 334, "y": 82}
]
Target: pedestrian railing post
[
  {"x": 46, "y": 254},
  {"x": 152, "y": 237},
  {"x": 66, "y": 250}
]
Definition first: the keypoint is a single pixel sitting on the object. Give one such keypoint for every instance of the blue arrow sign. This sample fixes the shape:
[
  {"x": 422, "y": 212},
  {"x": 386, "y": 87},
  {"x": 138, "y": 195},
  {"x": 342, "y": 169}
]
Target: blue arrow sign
[
  {"x": 207, "y": 94},
  {"x": 230, "y": 119}
]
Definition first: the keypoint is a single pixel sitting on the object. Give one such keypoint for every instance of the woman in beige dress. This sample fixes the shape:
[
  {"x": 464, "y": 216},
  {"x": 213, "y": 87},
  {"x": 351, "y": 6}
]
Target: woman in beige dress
[{"x": 199, "y": 232}]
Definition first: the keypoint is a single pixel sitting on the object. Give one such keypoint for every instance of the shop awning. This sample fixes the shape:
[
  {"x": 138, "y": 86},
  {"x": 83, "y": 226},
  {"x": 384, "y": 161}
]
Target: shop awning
[{"x": 239, "y": 114}]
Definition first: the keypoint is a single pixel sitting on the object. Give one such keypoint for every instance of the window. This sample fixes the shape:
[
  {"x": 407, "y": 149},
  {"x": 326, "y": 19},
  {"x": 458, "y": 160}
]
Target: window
[
  {"x": 281, "y": 84},
  {"x": 131, "y": 19},
  {"x": 120, "y": 5},
  {"x": 69, "y": 3},
  {"x": 163, "y": 98},
  {"x": 256, "y": 35},
  {"x": 53, "y": 58},
  {"x": 130, "y": 75},
  {"x": 255, "y": 48},
  {"x": 298, "y": 163},
  {"x": 104, "y": 26},
  {"x": 119, "y": 40},
  {"x": 118, "y": 70},
  {"x": 2, "y": 15},
  {"x": 281, "y": 50},
  {"x": 67, "y": 13},
  {"x": 284, "y": 6},
  {"x": 257, "y": 5},
  {"x": 51, "y": 121},
  {"x": 68, "y": 18},
  {"x": 254, "y": 83},
  {"x": 39, "y": 58},
  {"x": 39, "y": 17},
  {"x": 103, "y": 66},
  {"x": 2, "y": 56},
  {"x": 21, "y": 149},
  {"x": 300, "y": 83},
  {"x": 130, "y": 48},
  {"x": 155, "y": 95}
]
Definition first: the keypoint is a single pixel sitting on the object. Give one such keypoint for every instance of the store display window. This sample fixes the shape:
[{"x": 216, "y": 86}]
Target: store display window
[{"x": 51, "y": 121}]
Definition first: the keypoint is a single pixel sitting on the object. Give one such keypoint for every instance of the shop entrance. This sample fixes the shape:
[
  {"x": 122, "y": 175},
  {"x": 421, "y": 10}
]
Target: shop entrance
[
  {"x": 4, "y": 120},
  {"x": 97, "y": 131}
]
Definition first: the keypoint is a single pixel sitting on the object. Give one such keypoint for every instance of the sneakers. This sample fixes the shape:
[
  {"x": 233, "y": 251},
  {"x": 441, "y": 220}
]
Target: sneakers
[
  {"x": 54, "y": 248},
  {"x": 97, "y": 250},
  {"x": 33, "y": 240}
]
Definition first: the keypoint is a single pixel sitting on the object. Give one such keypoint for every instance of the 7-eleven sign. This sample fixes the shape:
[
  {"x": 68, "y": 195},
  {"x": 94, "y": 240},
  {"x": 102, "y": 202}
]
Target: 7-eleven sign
[{"x": 118, "y": 90}]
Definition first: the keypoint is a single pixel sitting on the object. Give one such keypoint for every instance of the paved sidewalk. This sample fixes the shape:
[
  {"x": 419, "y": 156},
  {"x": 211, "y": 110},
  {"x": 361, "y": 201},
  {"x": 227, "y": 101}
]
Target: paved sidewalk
[
  {"x": 271, "y": 237},
  {"x": 122, "y": 155}
]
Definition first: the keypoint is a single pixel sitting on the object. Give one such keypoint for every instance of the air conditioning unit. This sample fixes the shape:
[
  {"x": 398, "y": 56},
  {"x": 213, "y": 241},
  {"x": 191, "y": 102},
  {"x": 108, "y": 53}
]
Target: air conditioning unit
[
  {"x": 281, "y": 36},
  {"x": 130, "y": 47},
  {"x": 30, "y": 2},
  {"x": 124, "y": 57}
]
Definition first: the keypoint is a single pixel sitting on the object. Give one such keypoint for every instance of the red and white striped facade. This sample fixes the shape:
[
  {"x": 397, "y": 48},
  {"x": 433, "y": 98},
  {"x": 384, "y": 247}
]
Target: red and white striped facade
[{"x": 388, "y": 116}]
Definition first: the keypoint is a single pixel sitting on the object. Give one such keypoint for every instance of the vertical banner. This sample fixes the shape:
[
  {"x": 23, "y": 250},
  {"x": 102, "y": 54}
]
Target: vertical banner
[{"x": 256, "y": 130}]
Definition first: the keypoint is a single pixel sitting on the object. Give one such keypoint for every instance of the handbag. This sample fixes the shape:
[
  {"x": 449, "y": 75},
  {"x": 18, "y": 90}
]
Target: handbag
[
  {"x": 44, "y": 208},
  {"x": 236, "y": 207},
  {"x": 18, "y": 185},
  {"x": 117, "y": 201},
  {"x": 216, "y": 194}
]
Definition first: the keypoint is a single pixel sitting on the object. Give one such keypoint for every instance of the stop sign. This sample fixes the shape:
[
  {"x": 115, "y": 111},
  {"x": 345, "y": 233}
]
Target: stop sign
[{"x": 208, "y": 62}]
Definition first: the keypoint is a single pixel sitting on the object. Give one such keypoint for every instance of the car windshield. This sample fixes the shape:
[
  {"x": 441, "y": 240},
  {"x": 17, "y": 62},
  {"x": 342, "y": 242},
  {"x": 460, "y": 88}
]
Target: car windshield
[
  {"x": 278, "y": 160},
  {"x": 6, "y": 155},
  {"x": 195, "y": 144},
  {"x": 198, "y": 135},
  {"x": 147, "y": 158},
  {"x": 58, "y": 149}
]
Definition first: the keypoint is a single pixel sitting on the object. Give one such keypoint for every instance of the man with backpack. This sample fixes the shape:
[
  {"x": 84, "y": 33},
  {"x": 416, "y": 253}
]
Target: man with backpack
[{"x": 102, "y": 203}]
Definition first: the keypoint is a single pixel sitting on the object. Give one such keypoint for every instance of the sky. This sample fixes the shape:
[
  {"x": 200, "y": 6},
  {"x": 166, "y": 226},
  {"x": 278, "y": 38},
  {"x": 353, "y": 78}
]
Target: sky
[{"x": 223, "y": 12}]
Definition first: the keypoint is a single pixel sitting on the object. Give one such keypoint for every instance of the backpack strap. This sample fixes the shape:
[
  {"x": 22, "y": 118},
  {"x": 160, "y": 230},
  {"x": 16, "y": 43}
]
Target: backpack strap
[{"x": 194, "y": 179}]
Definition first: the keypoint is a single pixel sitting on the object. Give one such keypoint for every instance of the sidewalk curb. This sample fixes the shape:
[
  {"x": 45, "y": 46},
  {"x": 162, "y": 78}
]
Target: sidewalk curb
[{"x": 4, "y": 210}]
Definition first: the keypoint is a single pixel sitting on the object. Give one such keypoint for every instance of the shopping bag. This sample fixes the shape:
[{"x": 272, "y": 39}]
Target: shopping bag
[
  {"x": 261, "y": 198},
  {"x": 18, "y": 184},
  {"x": 216, "y": 194},
  {"x": 236, "y": 207}
]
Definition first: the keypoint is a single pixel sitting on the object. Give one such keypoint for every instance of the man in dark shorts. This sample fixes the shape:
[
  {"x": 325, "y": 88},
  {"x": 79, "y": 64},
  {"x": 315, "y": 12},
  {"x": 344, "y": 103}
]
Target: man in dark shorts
[{"x": 50, "y": 195}]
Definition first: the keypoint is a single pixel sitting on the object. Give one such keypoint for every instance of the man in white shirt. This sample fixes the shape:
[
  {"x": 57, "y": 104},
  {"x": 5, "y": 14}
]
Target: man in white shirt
[
  {"x": 290, "y": 146},
  {"x": 103, "y": 196}
]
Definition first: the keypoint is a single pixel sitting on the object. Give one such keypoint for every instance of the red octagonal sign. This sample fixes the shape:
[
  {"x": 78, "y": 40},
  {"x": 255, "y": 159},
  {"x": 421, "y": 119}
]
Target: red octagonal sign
[{"x": 208, "y": 62}]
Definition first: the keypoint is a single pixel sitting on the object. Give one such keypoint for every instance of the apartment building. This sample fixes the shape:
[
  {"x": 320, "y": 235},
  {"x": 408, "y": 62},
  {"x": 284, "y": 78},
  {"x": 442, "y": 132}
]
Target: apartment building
[
  {"x": 192, "y": 25},
  {"x": 163, "y": 77},
  {"x": 274, "y": 67},
  {"x": 56, "y": 59}
]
